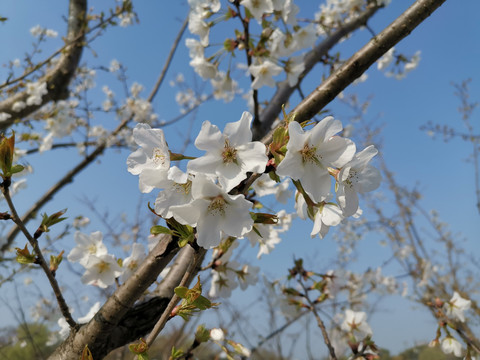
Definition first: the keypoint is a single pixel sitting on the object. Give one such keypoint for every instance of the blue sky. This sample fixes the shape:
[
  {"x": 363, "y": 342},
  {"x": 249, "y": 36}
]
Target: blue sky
[{"x": 450, "y": 52}]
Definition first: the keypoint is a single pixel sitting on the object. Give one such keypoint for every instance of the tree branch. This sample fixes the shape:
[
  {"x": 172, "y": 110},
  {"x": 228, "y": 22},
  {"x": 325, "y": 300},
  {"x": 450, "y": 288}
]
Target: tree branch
[
  {"x": 364, "y": 58},
  {"x": 59, "y": 77},
  {"x": 284, "y": 90},
  {"x": 68, "y": 178}
]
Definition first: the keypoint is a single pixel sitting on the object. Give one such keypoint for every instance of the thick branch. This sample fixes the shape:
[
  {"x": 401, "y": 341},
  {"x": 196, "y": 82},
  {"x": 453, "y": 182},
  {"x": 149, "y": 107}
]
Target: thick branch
[
  {"x": 102, "y": 332},
  {"x": 59, "y": 77},
  {"x": 364, "y": 58},
  {"x": 284, "y": 90}
]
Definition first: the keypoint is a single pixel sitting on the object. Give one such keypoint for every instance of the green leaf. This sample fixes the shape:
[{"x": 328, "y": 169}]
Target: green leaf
[
  {"x": 158, "y": 229},
  {"x": 181, "y": 291},
  {"x": 16, "y": 169},
  {"x": 202, "y": 303},
  {"x": 176, "y": 353}
]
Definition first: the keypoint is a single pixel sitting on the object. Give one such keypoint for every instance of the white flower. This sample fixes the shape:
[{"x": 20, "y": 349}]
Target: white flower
[
  {"x": 177, "y": 191},
  {"x": 203, "y": 68},
  {"x": 152, "y": 160},
  {"x": 264, "y": 186},
  {"x": 101, "y": 271},
  {"x": 131, "y": 263},
  {"x": 87, "y": 246},
  {"x": 195, "y": 48},
  {"x": 357, "y": 176},
  {"x": 263, "y": 74},
  {"x": 294, "y": 67},
  {"x": 326, "y": 215},
  {"x": 224, "y": 87},
  {"x": 229, "y": 155},
  {"x": 114, "y": 66},
  {"x": 386, "y": 59},
  {"x": 213, "y": 211},
  {"x": 267, "y": 241},
  {"x": 258, "y": 7},
  {"x": 199, "y": 27},
  {"x": 247, "y": 275},
  {"x": 457, "y": 305},
  {"x": 18, "y": 106},
  {"x": 288, "y": 9},
  {"x": 451, "y": 346},
  {"x": 305, "y": 37},
  {"x": 51, "y": 33},
  {"x": 310, "y": 153},
  {"x": 201, "y": 5},
  {"x": 36, "y": 91},
  {"x": 217, "y": 334},
  {"x": 356, "y": 323},
  {"x": 281, "y": 44},
  {"x": 222, "y": 284},
  {"x": 413, "y": 63},
  {"x": 36, "y": 31},
  {"x": 4, "y": 116}
]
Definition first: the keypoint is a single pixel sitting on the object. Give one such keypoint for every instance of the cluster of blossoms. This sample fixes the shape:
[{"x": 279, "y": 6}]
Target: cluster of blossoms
[
  {"x": 401, "y": 66},
  {"x": 204, "y": 197},
  {"x": 102, "y": 268},
  {"x": 454, "y": 309}
]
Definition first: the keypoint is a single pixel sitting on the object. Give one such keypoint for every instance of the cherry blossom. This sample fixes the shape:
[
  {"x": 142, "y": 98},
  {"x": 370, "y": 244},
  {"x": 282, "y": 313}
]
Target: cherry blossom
[
  {"x": 177, "y": 191},
  {"x": 217, "y": 334},
  {"x": 356, "y": 323},
  {"x": 101, "y": 271},
  {"x": 131, "y": 263},
  {"x": 152, "y": 160},
  {"x": 86, "y": 247},
  {"x": 263, "y": 74},
  {"x": 310, "y": 153},
  {"x": 258, "y": 7},
  {"x": 450, "y": 345},
  {"x": 229, "y": 155},
  {"x": 357, "y": 176},
  {"x": 457, "y": 305},
  {"x": 213, "y": 211},
  {"x": 222, "y": 284}
]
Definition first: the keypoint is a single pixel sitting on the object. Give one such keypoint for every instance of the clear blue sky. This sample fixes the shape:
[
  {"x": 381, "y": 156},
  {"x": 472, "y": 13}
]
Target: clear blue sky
[{"x": 450, "y": 52}]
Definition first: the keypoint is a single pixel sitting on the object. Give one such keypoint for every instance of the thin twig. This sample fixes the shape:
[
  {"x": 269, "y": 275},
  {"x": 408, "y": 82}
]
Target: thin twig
[
  {"x": 68, "y": 178},
  {"x": 320, "y": 323},
  {"x": 174, "y": 300},
  {"x": 39, "y": 258}
]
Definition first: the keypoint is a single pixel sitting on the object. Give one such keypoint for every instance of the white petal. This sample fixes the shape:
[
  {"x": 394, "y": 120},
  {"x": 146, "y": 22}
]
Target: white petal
[
  {"x": 208, "y": 232},
  {"x": 239, "y": 132},
  {"x": 324, "y": 130},
  {"x": 209, "y": 138}
]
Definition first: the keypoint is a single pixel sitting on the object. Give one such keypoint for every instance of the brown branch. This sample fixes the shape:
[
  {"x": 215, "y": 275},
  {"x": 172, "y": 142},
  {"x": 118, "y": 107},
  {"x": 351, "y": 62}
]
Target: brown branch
[
  {"x": 39, "y": 258},
  {"x": 68, "y": 178},
  {"x": 59, "y": 77},
  {"x": 364, "y": 58},
  {"x": 101, "y": 332},
  {"x": 193, "y": 266},
  {"x": 284, "y": 90}
]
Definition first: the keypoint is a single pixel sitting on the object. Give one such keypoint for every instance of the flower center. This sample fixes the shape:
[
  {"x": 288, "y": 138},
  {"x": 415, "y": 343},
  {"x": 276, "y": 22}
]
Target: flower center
[
  {"x": 92, "y": 249},
  {"x": 159, "y": 157},
  {"x": 217, "y": 206},
  {"x": 102, "y": 266},
  {"x": 309, "y": 154},
  {"x": 352, "y": 179},
  {"x": 229, "y": 154},
  {"x": 183, "y": 188}
]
